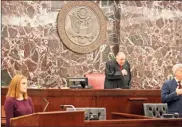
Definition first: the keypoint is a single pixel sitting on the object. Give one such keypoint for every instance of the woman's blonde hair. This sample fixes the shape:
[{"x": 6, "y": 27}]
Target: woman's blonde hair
[{"x": 14, "y": 87}]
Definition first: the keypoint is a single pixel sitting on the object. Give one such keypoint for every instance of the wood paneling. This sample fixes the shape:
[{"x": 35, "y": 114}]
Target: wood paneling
[
  {"x": 116, "y": 115},
  {"x": 76, "y": 118},
  {"x": 135, "y": 123},
  {"x": 50, "y": 119},
  {"x": 125, "y": 101}
]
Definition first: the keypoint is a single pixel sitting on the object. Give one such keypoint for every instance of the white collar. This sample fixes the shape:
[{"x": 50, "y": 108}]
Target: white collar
[{"x": 177, "y": 80}]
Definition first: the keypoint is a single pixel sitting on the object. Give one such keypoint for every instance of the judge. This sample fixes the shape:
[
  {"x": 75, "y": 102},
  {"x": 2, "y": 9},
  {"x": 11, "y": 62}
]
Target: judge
[{"x": 117, "y": 73}]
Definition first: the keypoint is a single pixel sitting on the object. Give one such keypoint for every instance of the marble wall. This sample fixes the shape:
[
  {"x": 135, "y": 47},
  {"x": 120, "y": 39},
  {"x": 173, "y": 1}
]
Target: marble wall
[
  {"x": 151, "y": 35},
  {"x": 149, "y": 32}
]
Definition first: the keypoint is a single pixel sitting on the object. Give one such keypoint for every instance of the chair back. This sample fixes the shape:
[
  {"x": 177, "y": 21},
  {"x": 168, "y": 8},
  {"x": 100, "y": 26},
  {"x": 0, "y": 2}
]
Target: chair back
[{"x": 96, "y": 80}]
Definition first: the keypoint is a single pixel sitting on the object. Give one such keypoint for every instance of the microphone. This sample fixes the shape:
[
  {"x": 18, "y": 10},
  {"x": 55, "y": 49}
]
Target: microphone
[
  {"x": 63, "y": 106},
  {"x": 176, "y": 115},
  {"x": 47, "y": 103}
]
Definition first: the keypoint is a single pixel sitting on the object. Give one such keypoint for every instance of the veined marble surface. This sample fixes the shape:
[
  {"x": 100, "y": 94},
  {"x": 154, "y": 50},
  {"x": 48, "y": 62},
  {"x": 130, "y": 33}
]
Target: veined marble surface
[{"x": 149, "y": 32}]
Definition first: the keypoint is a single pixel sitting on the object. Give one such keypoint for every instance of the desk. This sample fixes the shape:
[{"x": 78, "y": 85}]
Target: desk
[
  {"x": 136, "y": 123},
  {"x": 76, "y": 118},
  {"x": 120, "y": 100}
]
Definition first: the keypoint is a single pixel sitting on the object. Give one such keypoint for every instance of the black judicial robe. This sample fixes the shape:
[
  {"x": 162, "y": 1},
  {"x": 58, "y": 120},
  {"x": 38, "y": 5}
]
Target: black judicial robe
[
  {"x": 127, "y": 78},
  {"x": 114, "y": 77}
]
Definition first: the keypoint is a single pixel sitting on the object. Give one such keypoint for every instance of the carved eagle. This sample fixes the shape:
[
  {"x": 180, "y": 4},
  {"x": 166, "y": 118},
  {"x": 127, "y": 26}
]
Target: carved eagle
[{"x": 76, "y": 22}]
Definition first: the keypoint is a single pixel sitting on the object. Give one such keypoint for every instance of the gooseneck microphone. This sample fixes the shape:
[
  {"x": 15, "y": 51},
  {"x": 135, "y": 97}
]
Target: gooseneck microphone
[
  {"x": 47, "y": 103},
  {"x": 63, "y": 106},
  {"x": 175, "y": 115}
]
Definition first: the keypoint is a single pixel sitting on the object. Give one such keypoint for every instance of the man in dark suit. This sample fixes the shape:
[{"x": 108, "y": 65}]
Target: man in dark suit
[
  {"x": 117, "y": 73},
  {"x": 171, "y": 92}
]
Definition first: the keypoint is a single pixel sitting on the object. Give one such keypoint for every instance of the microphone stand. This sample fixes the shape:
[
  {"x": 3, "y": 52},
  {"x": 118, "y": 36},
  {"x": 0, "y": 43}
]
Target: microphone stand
[{"x": 46, "y": 104}]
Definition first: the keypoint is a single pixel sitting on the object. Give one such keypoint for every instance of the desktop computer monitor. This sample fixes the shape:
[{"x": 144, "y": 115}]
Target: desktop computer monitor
[{"x": 77, "y": 83}]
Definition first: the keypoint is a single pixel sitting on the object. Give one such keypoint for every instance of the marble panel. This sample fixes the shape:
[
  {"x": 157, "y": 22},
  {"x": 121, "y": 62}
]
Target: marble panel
[{"x": 149, "y": 32}]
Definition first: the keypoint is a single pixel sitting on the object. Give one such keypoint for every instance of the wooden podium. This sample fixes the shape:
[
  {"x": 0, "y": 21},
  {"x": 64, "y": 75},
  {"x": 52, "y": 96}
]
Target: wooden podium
[{"x": 57, "y": 118}]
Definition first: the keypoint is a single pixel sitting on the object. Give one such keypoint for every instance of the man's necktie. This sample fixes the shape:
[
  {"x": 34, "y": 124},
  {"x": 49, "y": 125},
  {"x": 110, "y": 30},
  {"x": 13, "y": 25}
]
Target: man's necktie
[{"x": 179, "y": 84}]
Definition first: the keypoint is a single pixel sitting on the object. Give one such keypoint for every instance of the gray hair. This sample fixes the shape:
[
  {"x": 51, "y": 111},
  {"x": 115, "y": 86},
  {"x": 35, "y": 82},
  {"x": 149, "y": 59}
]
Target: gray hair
[
  {"x": 176, "y": 67},
  {"x": 120, "y": 54}
]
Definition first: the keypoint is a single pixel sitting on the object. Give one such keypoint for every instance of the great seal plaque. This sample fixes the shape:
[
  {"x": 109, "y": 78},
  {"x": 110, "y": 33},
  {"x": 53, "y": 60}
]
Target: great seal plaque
[{"x": 81, "y": 26}]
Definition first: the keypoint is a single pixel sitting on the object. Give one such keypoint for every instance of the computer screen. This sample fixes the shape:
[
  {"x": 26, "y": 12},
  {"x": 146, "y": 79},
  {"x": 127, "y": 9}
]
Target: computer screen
[{"x": 78, "y": 82}]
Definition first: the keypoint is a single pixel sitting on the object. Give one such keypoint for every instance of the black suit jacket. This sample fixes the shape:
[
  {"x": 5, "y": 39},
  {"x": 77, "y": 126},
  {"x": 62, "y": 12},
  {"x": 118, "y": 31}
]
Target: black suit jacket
[
  {"x": 114, "y": 77},
  {"x": 169, "y": 96}
]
